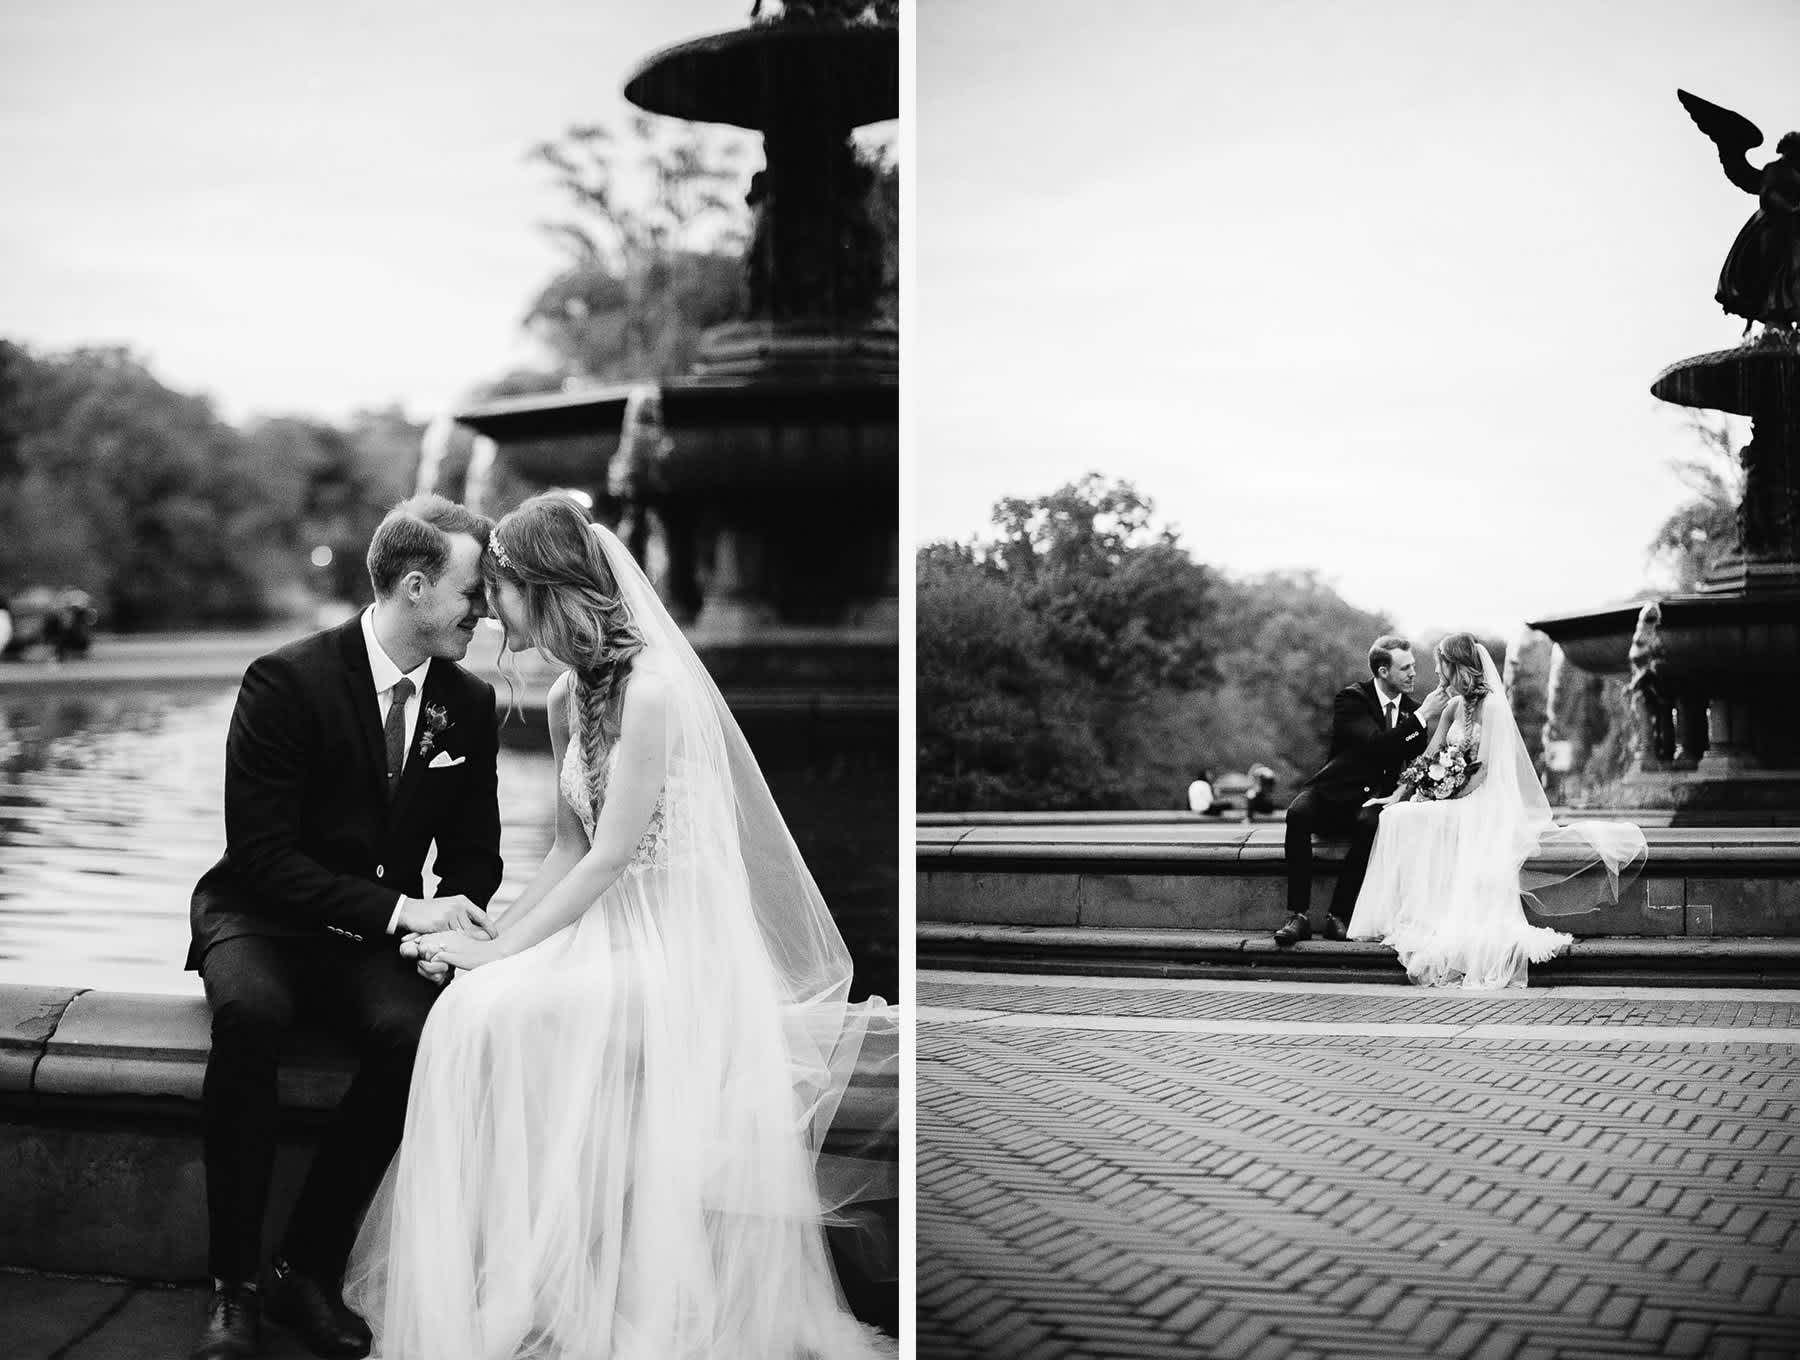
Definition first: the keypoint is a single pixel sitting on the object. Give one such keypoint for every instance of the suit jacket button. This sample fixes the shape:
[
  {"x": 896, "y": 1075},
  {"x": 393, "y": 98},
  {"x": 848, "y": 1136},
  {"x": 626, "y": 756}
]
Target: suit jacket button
[{"x": 380, "y": 870}]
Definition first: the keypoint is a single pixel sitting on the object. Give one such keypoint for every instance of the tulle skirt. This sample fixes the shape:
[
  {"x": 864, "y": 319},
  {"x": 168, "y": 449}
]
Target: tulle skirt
[
  {"x": 604, "y": 1160},
  {"x": 1444, "y": 894}
]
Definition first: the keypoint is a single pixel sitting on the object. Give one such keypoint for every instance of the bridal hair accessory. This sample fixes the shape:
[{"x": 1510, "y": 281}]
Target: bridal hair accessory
[{"x": 499, "y": 552}]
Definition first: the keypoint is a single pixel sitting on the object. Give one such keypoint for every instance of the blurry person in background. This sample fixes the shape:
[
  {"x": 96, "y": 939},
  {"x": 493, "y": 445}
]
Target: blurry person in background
[
  {"x": 74, "y": 618},
  {"x": 1200, "y": 795},
  {"x": 1259, "y": 800}
]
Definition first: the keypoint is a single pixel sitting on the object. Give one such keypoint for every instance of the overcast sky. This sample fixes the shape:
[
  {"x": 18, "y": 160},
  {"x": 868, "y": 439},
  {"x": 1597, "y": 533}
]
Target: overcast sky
[
  {"x": 1376, "y": 288},
  {"x": 300, "y": 207}
]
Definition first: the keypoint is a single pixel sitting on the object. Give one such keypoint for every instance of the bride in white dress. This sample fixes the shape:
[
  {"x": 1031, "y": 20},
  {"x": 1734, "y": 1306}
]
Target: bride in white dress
[
  {"x": 612, "y": 1136},
  {"x": 1446, "y": 877}
]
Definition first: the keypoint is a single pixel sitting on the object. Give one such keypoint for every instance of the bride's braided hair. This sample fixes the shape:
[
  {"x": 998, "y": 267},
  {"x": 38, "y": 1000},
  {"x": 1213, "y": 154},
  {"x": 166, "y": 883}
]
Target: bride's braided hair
[
  {"x": 573, "y": 611},
  {"x": 1456, "y": 655}
]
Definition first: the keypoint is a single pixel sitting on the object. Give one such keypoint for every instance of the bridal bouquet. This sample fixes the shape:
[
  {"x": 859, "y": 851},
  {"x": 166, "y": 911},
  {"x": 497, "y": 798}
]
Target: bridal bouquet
[{"x": 1443, "y": 774}]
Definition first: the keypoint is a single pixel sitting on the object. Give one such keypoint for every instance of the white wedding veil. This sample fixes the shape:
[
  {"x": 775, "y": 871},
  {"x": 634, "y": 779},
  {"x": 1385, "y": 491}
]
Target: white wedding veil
[
  {"x": 731, "y": 851},
  {"x": 1563, "y": 869}
]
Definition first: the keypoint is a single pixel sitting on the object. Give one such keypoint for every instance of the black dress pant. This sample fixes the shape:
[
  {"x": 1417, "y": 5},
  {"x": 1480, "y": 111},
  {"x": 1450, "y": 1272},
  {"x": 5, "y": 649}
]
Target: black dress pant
[
  {"x": 1310, "y": 813},
  {"x": 259, "y": 988}
]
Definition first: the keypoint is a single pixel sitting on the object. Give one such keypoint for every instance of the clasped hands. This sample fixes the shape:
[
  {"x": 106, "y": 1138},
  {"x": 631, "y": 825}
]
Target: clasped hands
[{"x": 441, "y": 933}]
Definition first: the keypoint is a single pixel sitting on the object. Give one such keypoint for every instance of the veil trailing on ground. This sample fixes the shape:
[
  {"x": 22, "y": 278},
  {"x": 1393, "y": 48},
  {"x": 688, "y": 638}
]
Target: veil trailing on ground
[
  {"x": 1573, "y": 868},
  {"x": 752, "y": 865}
]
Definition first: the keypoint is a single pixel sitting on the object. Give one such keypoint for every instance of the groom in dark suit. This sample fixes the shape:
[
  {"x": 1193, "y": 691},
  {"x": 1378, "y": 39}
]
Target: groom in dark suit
[
  {"x": 1375, "y": 729},
  {"x": 349, "y": 753}
]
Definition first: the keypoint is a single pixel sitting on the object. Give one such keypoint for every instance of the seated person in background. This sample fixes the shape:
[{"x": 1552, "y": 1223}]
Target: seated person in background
[
  {"x": 1200, "y": 796},
  {"x": 1259, "y": 800}
]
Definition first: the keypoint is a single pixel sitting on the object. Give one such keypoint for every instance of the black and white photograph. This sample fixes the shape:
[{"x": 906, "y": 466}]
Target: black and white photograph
[
  {"x": 1357, "y": 554},
  {"x": 450, "y": 645}
]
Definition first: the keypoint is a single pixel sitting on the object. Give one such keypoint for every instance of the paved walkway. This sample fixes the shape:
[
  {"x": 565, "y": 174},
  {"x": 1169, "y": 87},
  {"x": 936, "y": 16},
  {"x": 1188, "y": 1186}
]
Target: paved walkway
[{"x": 1151, "y": 1168}]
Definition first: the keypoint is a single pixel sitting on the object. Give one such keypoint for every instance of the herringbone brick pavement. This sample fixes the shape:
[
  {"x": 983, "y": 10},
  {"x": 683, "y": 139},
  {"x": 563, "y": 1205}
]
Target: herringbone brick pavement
[{"x": 1100, "y": 1194}]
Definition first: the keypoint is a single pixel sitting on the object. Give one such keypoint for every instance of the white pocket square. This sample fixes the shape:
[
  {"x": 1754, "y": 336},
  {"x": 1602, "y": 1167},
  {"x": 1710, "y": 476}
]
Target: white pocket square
[{"x": 443, "y": 760}]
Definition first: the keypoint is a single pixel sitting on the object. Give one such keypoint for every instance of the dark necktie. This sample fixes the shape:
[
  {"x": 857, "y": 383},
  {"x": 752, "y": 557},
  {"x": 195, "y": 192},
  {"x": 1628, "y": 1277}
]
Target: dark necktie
[
  {"x": 1393, "y": 715},
  {"x": 396, "y": 732}
]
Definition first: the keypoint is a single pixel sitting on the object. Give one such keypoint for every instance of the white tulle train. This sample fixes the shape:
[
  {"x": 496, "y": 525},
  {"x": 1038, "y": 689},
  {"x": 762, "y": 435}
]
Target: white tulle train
[
  {"x": 1448, "y": 905},
  {"x": 601, "y": 1160}
]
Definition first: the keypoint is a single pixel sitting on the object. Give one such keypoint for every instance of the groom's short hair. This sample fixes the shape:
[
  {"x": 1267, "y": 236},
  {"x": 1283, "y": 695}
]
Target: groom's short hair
[
  {"x": 415, "y": 536},
  {"x": 1381, "y": 654}
]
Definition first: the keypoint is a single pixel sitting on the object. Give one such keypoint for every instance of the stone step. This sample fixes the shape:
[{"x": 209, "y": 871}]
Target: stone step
[{"x": 1636, "y": 961}]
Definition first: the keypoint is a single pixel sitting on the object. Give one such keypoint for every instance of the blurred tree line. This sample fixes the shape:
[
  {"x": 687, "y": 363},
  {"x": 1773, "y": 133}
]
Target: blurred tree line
[
  {"x": 169, "y": 516},
  {"x": 1076, "y": 659}
]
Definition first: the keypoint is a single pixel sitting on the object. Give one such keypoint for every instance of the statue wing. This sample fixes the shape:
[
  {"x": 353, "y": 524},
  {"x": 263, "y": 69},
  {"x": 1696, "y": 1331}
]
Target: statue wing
[{"x": 1732, "y": 133}]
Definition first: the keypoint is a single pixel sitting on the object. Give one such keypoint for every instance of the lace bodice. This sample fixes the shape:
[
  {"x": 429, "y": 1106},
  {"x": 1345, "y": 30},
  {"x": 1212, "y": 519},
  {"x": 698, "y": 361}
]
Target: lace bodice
[{"x": 653, "y": 846}]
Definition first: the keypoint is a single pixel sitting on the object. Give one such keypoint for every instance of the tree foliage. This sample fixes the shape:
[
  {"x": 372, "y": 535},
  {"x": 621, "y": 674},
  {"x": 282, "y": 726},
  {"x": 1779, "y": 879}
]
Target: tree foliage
[
  {"x": 655, "y": 244},
  {"x": 1043, "y": 650},
  {"x": 1703, "y": 528},
  {"x": 168, "y": 515},
  {"x": 1078, "y": 657}
]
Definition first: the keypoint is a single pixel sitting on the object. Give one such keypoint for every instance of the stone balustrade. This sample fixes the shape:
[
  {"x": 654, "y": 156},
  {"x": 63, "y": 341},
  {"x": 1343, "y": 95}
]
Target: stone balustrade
[
  {"x": 1164, "y": 874},
  {"x": 1164, "y": 895}
]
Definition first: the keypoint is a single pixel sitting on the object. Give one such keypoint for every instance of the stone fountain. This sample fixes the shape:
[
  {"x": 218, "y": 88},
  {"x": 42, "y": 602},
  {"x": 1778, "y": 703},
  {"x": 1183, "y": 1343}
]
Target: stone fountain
[
  {"x": 1714, "y": 675},
  {"x": 761, "y": 489}
]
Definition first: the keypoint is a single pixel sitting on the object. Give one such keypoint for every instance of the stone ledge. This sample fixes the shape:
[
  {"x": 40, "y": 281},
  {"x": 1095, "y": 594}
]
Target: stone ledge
[
  {"x": 1699, "y": 882},
  {"x": 101, "y": 1170},
  {"x": 63, "y": 1046},
  {"x": 1117, "y": 847},
  {"x": 28, "y": 1017},
  {"x": 1229, "y": 954}
]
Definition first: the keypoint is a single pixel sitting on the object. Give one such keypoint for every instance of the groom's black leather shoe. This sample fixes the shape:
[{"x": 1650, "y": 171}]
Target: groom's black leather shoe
[
  {"x": 233, "y": 1324},
  {"x": 1297, "y": 928},
  {"x": 1334, "y": 929},
  {"x": 314, "y": 1312}
]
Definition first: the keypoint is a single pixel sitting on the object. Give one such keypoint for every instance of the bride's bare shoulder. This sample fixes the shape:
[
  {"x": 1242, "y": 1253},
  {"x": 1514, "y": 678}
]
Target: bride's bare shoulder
[
  {"x": 558, "y": 699},
  {"x": 649, "y": 685}
]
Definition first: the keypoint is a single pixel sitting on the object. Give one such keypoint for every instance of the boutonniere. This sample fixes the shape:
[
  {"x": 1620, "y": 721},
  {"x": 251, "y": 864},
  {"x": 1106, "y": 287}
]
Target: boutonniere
[{"x": 436, "y": 723}]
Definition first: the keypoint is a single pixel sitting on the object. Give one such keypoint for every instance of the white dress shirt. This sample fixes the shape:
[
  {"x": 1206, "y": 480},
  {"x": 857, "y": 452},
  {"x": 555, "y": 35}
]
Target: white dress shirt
[
  {"x": 386, "y": 675},
  {"x": 1390, "y": 709}
]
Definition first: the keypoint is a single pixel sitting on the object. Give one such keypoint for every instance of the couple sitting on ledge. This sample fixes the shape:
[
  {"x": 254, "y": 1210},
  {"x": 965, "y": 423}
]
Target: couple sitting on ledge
[
  {"x": 600, "y": 1137},
  {"x": 1442, "y": 809}
]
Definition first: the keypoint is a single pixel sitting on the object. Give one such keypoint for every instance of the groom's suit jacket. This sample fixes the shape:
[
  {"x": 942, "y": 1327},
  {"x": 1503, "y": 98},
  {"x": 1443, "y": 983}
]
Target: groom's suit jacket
[
  {"x": 312, "y": 842},
  {"x": 1366, "y": 756}
]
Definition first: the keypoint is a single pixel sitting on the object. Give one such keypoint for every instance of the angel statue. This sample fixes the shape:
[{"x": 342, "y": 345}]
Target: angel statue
[{"x": 1761, "y": 277}]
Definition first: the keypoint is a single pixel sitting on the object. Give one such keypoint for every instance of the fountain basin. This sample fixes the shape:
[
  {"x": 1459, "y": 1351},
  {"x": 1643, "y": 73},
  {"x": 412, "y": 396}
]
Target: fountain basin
[
  {"x": 1718, "y": 640},
  {"x": 1749, "y": 380},
  {"x": 747, "y": 77}
]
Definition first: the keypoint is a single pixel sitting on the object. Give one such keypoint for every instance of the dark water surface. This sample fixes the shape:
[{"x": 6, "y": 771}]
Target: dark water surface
[{"x": 112, "y": 805}]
